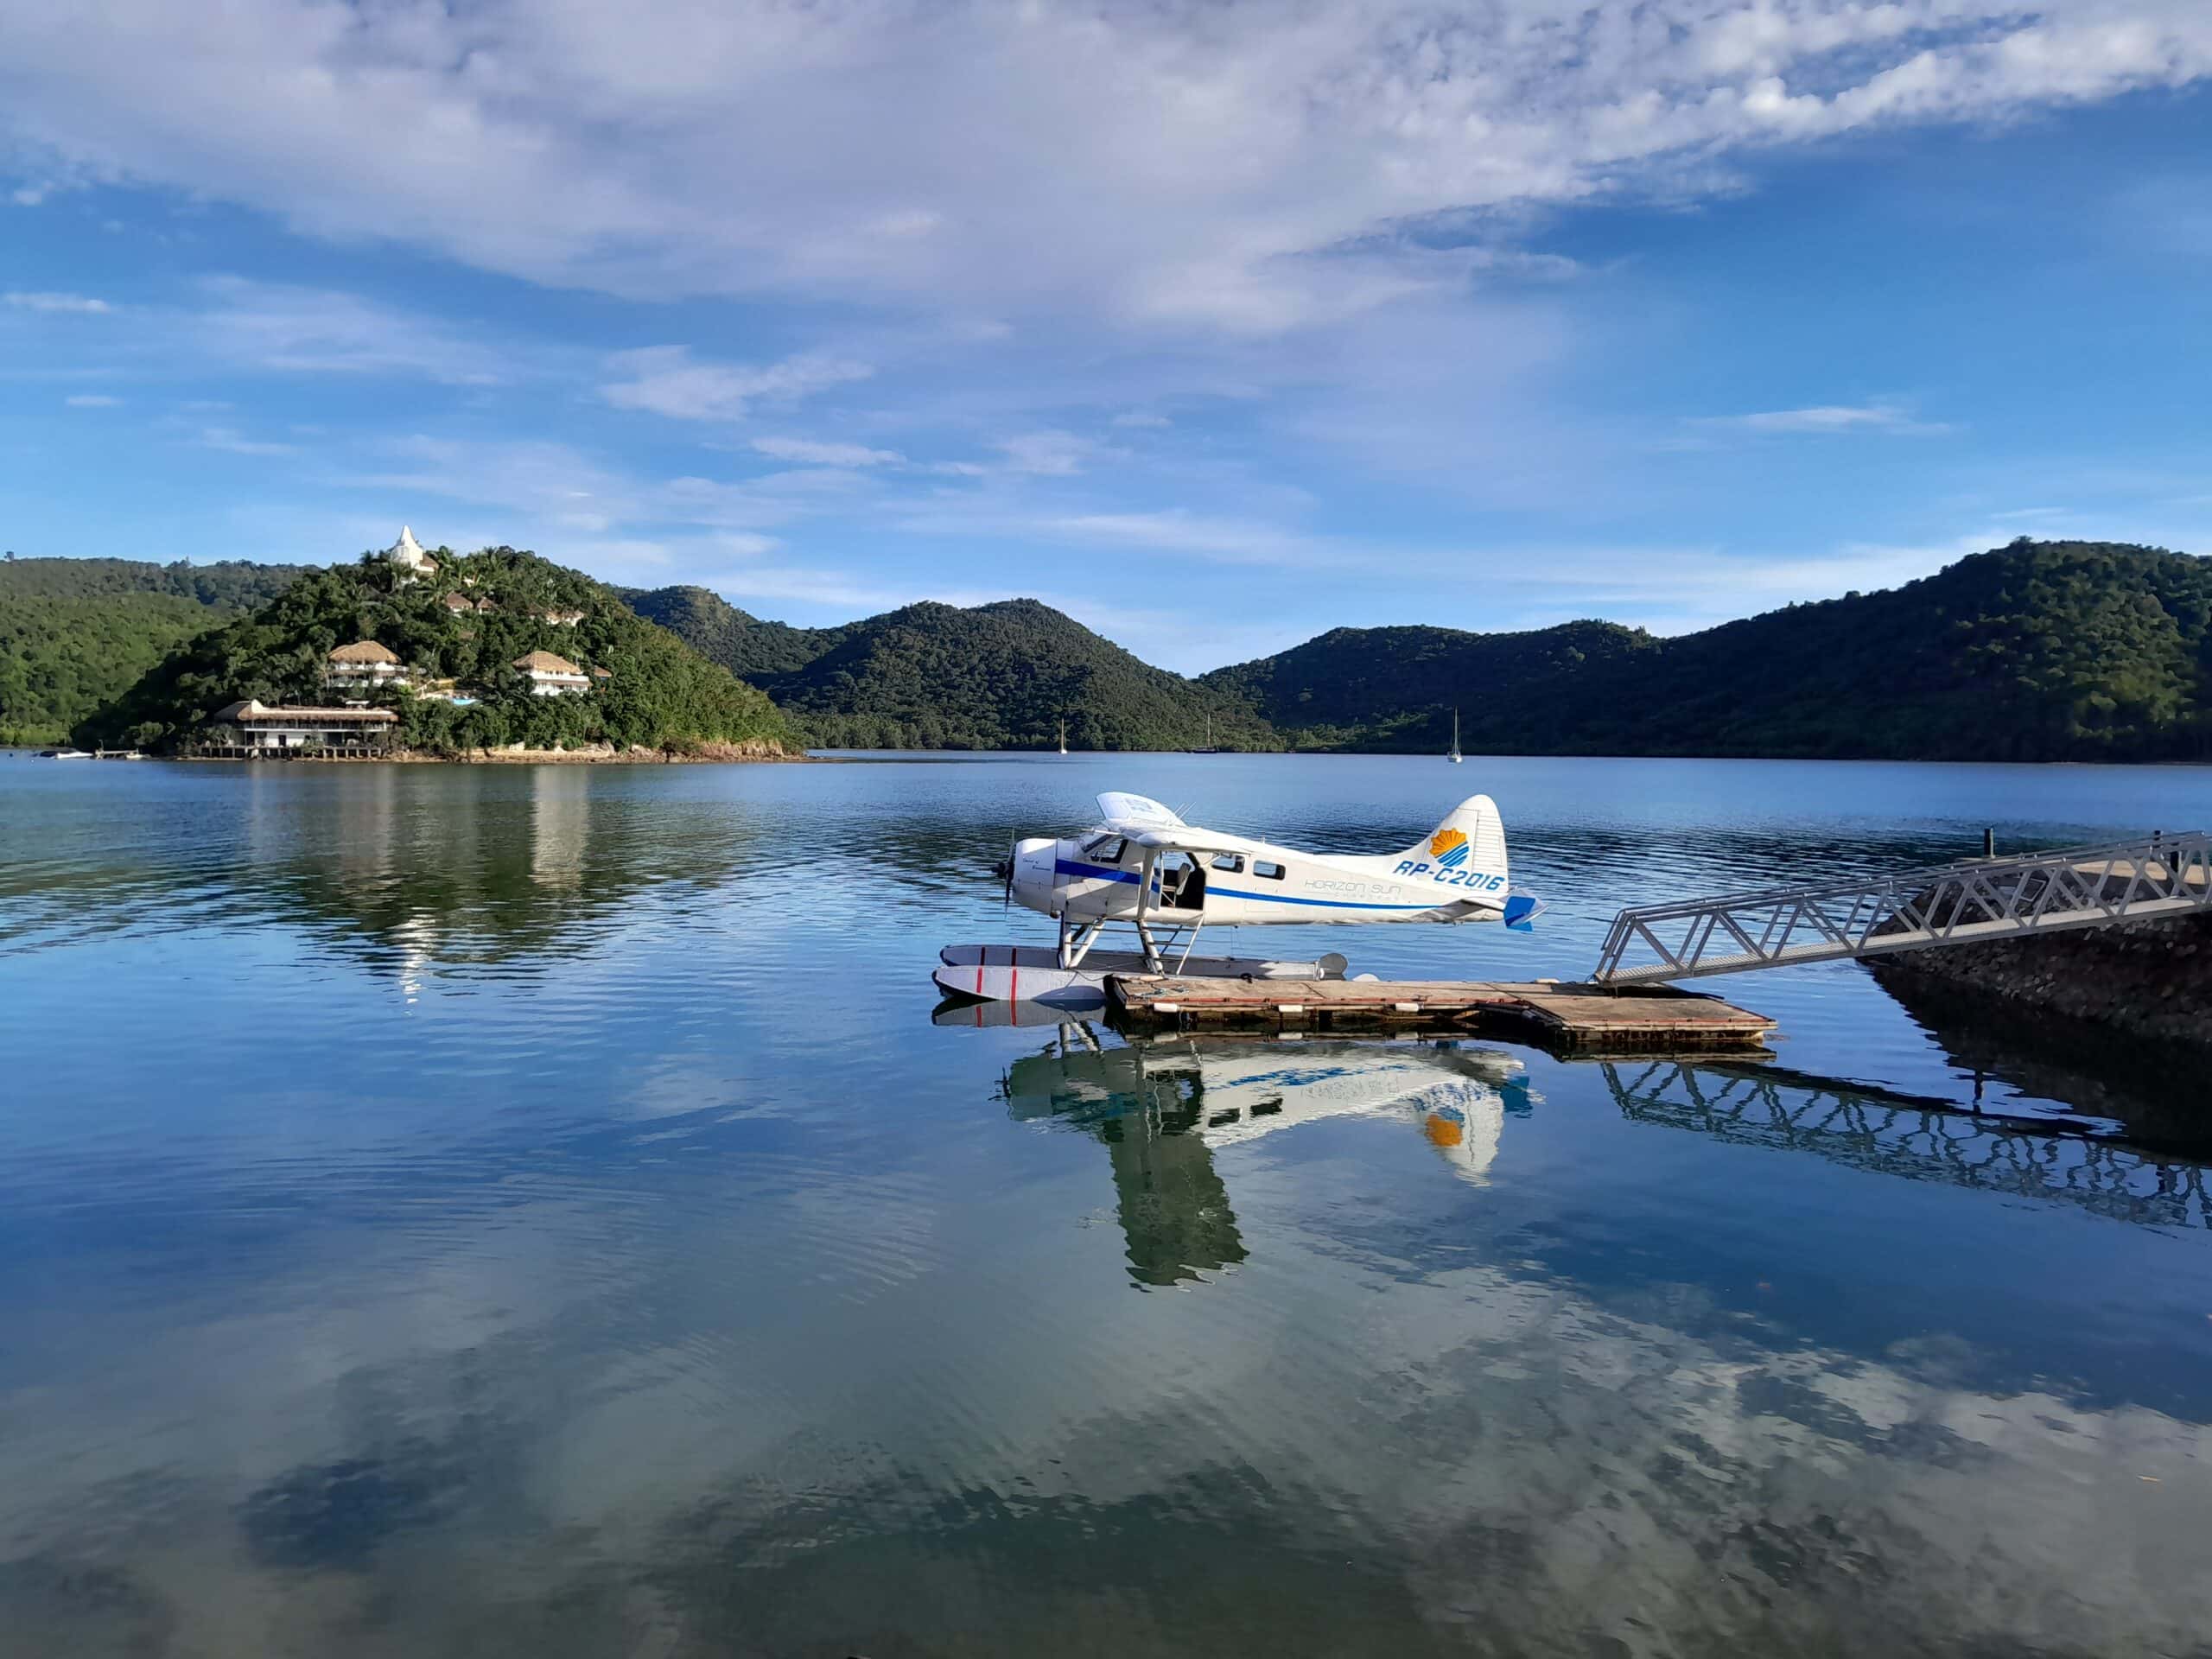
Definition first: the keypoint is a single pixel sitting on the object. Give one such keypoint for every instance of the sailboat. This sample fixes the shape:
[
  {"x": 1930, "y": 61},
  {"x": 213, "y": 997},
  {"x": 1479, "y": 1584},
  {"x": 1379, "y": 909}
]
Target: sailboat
[
  {"x": 1209, "y": 748},
  {"x": 1457, "y": 758},
  {"x": 1064, "y": 737}
]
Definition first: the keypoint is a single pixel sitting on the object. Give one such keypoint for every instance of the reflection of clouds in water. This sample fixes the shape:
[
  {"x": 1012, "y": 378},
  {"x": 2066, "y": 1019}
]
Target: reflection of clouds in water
[
  {"x": 1327, "y": 1452},
  {"x": 1559, "y": 1475}
]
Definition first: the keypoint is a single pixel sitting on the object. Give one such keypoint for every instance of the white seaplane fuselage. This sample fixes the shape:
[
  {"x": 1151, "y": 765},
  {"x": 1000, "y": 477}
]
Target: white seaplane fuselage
[{"x": 1144, "y": 868}]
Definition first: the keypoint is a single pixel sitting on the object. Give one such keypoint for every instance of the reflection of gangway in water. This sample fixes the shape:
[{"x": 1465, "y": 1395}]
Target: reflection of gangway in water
[
  {"x": 1918, "y": 1141},
  {"x": 1952, "y": 903}
]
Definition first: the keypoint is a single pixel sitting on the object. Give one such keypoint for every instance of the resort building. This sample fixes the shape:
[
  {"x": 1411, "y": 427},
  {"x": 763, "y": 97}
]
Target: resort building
[
  {"x": 363, "y": 666},
  {"x": 265, "y": 730},
  {"x": 407, "y": 553},
  {"x": 560, "y": 618},
  {"x": 551, "y": 676}
]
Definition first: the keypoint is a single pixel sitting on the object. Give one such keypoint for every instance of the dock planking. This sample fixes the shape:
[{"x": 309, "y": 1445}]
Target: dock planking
[{"x": 1639, "y": 1020}]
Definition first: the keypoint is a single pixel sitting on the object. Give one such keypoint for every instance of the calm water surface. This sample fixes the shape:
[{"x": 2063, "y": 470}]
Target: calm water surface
[{"x": 533, "y": 1210}]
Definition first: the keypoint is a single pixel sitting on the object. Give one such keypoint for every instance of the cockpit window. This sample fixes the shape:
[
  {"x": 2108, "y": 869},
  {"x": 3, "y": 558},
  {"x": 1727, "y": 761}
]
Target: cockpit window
[{"x": 1106, "y": 849}]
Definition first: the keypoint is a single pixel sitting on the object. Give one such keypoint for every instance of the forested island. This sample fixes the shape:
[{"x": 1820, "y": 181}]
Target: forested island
[
  {"x": 468, "y": 653},
  {"x": 2038, "y": 651}
]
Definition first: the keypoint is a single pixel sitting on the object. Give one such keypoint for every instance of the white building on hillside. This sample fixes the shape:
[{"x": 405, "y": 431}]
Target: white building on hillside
[
  {"x": 254, "y": 727},
  {"x": 551, "y": 676},
  {"x": 364, "y": 665},
  {"x": 408, "y": 554}
]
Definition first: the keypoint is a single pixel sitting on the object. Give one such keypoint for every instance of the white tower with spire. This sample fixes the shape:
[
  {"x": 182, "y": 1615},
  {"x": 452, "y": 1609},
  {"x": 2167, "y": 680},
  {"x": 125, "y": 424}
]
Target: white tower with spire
[{"x": 408, "y": 554}]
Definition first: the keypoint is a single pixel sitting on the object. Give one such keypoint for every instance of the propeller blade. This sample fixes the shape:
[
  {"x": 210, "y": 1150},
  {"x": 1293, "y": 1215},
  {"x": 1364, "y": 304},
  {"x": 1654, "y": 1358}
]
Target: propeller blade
[{"x": 1012, "y": 840}]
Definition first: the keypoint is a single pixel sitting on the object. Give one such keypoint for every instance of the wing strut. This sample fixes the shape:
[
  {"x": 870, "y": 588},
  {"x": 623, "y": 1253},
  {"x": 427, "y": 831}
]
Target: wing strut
[{"x": 1153, "y": 961}]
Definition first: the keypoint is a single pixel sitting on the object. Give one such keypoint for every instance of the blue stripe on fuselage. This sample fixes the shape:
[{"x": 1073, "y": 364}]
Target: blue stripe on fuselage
[
  {"x": 1331, "y": 904},
  {"x": 1092, "y": 872},
  {"x": 1099, "y": 873}
]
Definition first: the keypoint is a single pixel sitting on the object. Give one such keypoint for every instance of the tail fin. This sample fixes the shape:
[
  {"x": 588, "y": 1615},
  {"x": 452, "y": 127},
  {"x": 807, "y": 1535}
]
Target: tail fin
[{"x": 1471, "y": 837}]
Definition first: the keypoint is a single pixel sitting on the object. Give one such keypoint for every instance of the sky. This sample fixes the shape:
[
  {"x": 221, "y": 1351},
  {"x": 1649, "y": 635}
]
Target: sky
[{"x": 1215, "y": 325}]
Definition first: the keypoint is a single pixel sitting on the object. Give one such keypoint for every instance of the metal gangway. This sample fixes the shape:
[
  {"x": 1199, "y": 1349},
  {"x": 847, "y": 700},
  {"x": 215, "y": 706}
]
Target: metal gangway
[{"x": 1962, "y": 903}]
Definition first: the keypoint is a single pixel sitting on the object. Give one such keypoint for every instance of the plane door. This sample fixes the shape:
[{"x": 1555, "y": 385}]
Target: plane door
[{"x": 1179, "y": 883}]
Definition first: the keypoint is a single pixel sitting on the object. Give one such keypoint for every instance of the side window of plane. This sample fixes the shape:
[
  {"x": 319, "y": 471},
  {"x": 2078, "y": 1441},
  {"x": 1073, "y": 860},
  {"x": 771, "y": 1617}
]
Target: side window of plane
[
  {"x": 1232, "y": 863},
  {"x": 1268, "y": 872},
  {"x": 1107, "y": 849}
]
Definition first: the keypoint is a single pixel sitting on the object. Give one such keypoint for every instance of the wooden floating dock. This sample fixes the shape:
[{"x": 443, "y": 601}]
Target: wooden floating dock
[{"x": 1585, "y": 1018}]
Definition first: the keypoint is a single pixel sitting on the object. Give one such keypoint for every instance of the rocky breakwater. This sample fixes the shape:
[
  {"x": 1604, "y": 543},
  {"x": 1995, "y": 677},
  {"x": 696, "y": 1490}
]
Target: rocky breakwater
[{"x": 2149, "y": 979}]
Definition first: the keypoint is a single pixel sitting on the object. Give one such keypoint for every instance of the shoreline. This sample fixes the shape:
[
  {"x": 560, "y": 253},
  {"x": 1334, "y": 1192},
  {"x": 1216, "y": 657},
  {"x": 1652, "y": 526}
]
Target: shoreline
[{"x": 707, "y": 755}]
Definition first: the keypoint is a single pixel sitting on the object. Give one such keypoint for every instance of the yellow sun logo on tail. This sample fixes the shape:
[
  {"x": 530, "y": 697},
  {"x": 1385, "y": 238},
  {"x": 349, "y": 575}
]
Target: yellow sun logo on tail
[{"x": 1444, "y": 842}]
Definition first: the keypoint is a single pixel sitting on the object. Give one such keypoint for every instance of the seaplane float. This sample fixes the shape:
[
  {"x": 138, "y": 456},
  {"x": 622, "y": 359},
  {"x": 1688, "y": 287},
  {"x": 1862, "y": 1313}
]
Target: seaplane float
[{"x": 1141, "y": 868}]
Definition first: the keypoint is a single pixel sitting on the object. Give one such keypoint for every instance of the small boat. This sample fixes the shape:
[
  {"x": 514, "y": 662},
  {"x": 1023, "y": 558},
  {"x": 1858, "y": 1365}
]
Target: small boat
[
  {"x": 65, "y": 755},
  {"x": 1457, "y": 758},
  {"x": 1208, "y": 748}
]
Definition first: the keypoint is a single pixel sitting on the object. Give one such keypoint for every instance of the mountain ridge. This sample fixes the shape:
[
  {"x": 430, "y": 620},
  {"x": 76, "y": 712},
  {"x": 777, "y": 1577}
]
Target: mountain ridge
[
  {"x": 2036, "y": 651},
  {"x": 929, "y": 675}
]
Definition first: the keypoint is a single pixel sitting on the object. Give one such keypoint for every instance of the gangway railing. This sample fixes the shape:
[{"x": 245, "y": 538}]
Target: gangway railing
[{"x": 1912, "y": 910}]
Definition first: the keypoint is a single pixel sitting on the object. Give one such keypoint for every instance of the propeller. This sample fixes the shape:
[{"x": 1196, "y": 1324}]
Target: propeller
[{"x": 1004, "y": 870}]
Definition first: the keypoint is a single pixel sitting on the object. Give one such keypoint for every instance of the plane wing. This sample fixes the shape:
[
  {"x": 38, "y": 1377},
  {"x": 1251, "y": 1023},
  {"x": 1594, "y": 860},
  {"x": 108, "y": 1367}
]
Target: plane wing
[
  {"x": 1183, "y": 840},
  {"x": 1135, "y": 812},
  {"x": 1149, "y": 824}
]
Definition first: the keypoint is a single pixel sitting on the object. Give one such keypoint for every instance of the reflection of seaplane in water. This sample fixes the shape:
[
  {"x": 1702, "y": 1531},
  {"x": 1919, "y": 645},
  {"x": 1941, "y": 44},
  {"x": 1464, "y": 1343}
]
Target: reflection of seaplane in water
[
  {"x": 1226, "y": 1090},
  {"x": 1165, "y": 1109},
  {"x": 1143, "y": 868}
]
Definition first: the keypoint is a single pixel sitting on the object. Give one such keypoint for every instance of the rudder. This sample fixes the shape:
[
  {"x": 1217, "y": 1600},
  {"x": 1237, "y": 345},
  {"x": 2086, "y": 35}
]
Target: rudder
[{"x": 1471, "y": 837}]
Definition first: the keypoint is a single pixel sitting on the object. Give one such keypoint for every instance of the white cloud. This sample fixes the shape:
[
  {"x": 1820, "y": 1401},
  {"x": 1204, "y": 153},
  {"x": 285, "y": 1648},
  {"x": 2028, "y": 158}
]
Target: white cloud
[
  {"x": 1245, "y": 168},
  {"x": 276, "y": 327},
  {"x": 1049, "y": 454},
  {"x": 230, "y": 441},
  {"x": 1138, "y": 417},
  {"x": 544, "y": 483},
  {"x": 78, "y": 304},
  {"x": 91, "y": 400},
  {"x": 667, "y": 380},
  {"x": 1233, "y": 541},
  {"x": 811, "y": 454},
  {"x": 1828, "y": 418}
]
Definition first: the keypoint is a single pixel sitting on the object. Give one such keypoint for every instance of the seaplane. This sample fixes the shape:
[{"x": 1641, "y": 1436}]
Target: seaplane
[{"x": 1143, "y": 868}]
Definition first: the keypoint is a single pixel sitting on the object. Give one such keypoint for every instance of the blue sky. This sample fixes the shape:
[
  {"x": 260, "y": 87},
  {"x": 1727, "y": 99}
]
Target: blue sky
[{"x": 1215, "y": 326}]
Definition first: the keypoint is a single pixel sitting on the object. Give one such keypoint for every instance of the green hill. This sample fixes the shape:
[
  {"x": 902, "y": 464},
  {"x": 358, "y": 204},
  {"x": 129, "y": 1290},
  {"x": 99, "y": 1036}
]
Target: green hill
[
  {"x": 720, "y": 633},
  {"x": 1001, "y": 676},
  {"x": 75, "y": 633},
  {"x": 660, "y": 693},
  {"x": 1391, "y": 688},
  {"x": 2059, "y": 650}
]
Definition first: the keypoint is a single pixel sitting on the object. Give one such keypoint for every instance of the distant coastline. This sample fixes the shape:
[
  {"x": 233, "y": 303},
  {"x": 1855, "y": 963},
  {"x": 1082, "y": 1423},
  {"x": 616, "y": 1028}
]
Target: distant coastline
[{"x": 704, "y": 754}]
